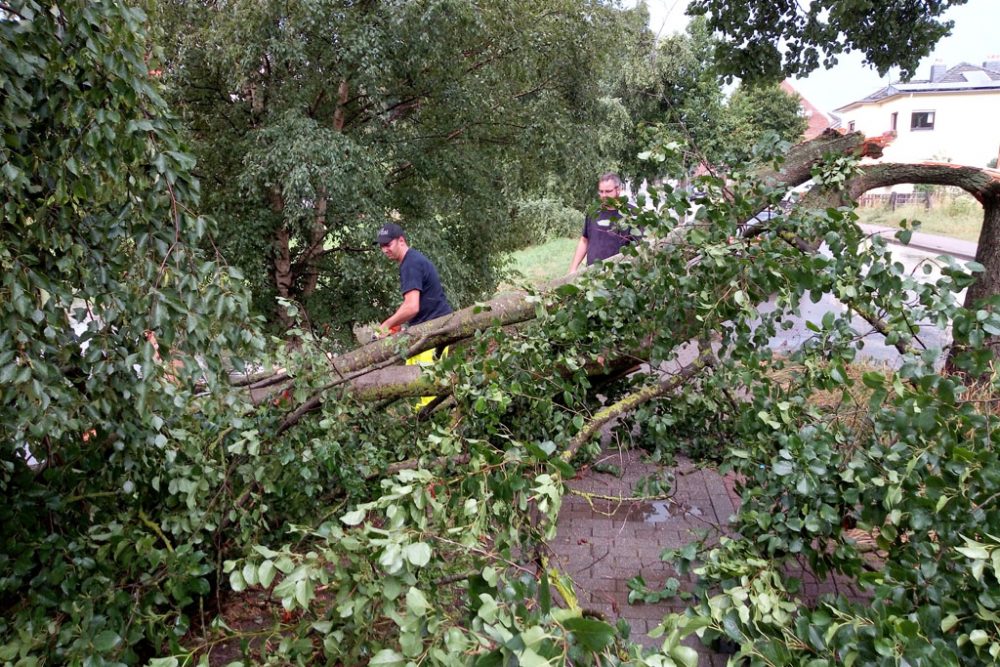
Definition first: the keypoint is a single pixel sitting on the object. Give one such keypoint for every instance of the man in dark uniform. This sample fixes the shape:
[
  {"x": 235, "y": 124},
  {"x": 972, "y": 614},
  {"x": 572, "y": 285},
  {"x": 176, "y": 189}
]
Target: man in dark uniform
[
  {"x": 603, "y": 234},
  {"x": 423, "y": 297}
]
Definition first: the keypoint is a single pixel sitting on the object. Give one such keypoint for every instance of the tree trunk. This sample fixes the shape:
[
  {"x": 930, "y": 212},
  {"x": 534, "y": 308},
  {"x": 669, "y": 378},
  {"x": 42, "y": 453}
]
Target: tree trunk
[
  {"x": 282, "y": 263},
  {"x": 316, "y": 240},
  {"x": 987, "y": 253}
]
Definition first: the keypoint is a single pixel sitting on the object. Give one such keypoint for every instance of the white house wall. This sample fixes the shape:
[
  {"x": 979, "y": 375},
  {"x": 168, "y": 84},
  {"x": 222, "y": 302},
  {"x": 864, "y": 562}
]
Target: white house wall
[{"x": 966, "y": 126}]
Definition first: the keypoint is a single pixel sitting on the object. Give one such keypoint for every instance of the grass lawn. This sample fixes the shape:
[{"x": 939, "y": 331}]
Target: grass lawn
[
  {"x": 959, "y": 217},
  {"x": 541, "y": 263}
]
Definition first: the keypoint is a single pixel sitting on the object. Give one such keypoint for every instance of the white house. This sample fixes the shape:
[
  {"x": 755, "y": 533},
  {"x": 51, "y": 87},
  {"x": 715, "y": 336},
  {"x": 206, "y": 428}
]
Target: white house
[{"x": 952, "y": 117}]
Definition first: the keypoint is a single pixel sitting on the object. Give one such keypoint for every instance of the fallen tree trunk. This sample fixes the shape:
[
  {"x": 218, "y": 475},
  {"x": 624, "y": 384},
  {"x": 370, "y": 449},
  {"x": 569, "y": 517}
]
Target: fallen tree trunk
[
  {"x": 369, "y": 374},
  {"x": 512, "y": 308}
]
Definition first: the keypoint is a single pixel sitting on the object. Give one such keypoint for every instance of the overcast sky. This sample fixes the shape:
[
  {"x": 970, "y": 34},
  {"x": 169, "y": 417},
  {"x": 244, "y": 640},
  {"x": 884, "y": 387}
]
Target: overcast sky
[{"x": 975, "y": 37}]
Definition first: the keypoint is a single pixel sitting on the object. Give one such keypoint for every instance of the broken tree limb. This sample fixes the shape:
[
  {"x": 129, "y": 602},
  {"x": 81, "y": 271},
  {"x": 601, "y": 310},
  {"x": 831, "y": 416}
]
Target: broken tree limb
[
  {"x": 507, "y": 309},
  {"x": 982, "y": 183},
  {"x": 629, "y": 403},
  {"x": 513, "y": 308}
]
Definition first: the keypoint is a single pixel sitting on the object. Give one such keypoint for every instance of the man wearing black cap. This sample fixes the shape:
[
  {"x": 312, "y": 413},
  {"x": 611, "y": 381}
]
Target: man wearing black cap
[{"x": 423, "y": 298}]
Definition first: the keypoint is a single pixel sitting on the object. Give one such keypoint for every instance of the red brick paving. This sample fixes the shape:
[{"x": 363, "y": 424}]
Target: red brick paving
[{"x": 604, "y": 545}]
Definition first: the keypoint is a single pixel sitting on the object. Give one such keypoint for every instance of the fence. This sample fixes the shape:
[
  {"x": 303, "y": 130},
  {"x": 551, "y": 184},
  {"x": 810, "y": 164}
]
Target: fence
[{"x": 893, "y": 199}]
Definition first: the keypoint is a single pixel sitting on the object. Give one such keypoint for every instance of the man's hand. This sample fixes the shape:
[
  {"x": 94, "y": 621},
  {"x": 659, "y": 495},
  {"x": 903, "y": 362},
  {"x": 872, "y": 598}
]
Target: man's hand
[
  {"x": 381, "y": 331},
  {"x": 579, "y": 254}
]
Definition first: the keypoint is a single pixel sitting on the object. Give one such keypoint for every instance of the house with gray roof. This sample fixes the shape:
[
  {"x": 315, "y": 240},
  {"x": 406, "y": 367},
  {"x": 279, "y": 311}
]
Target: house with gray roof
[{"x": 954, "y": 116}]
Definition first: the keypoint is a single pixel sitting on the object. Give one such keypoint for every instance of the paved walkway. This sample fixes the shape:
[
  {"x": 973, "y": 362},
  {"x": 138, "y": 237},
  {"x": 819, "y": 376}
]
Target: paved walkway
[{"x": 603, "y": 546}]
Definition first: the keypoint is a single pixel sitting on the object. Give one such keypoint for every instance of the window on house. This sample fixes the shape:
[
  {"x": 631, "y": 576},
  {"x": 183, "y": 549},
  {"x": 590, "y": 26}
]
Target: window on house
[
  {"x": 850, "y": 126},
  {"x": 893, "y": 119},
  {"x": 922, "y": 120}
]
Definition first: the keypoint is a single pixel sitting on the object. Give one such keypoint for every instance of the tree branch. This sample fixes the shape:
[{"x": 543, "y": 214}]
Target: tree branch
[{"x": 666, "y": 385}]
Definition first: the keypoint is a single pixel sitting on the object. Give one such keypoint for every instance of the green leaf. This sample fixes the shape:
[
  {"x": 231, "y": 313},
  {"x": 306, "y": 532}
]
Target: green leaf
[
  {"x": 354, "y": 518},
  {"x": 265, "y": 573},
  {"x": 590, "y": 633},
  {"x": 304, "y": 592},
  {"x": 783, "y": 468},
  {"x": 528, "y": 658},
  {"x": 685, "y": 655},
  {"x": 873, "y": 380},
  {"x": 237, "y": 582},
  {"x": 545, "y": 592},
  {"x": 265, "y": 552},
  {"x": 492, "y": 659},
  {"x": 974, "y": 552},
  {"x": 487, "y": 608},
  {"x": 106, "y": 641},
  {"x": 416, "y": 602},
  {"x": 417, "y": 553},
  {"x": 387, "y": 658},
  {"x": 284, "y": 564}
]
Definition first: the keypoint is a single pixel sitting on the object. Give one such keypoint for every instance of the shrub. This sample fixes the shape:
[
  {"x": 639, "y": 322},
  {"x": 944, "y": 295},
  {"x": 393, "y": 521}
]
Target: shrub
[{"x": 537, "y": 221}]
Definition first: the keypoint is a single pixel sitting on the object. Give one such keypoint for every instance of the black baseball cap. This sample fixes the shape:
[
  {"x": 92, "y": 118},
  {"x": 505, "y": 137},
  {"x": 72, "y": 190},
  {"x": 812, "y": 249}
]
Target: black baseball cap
[{"x": 389, "y": 231}]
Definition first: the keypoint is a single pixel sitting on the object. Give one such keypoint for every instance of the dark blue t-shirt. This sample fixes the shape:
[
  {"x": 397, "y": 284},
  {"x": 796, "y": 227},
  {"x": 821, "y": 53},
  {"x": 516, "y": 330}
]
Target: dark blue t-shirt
[
  {"x": 417, "y": 273},
  {"x": 605, "y": 236}
]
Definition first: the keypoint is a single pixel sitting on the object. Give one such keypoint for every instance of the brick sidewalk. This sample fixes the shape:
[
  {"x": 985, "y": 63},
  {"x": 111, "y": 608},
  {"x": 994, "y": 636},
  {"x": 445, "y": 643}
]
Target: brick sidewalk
[{"x": 603, "y": 546}]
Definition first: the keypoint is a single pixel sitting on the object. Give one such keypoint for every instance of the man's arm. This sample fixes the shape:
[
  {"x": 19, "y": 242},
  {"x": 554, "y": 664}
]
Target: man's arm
[
  {"x": 406, "y": 312},
  {"x": 581, "y": 252}
]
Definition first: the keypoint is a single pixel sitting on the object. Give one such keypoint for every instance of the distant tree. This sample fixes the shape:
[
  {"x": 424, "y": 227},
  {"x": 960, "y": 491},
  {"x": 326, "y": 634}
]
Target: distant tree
[
  {"x": 753, "y": 110},
  {"x": 675, "y": 83},
  {"x": 774, "y": 39},
  {"x": 315, "y": 122}
]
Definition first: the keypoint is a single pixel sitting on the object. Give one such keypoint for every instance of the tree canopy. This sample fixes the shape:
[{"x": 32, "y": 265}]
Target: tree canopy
[
  {"x": 772, "y": 39},
  {"x": 675, "y": 83},
  {"x": 102, "y": 243},
  {"x": 314, "y": 122}
]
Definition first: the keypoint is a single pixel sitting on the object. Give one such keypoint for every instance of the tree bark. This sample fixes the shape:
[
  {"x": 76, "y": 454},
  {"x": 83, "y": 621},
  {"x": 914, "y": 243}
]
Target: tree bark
[
  {"x": 282, "y": 263},
  {"x": 988, "y": 254},
  {"x": 317, "y": 238},
  {"x": 983, "y": 184}
]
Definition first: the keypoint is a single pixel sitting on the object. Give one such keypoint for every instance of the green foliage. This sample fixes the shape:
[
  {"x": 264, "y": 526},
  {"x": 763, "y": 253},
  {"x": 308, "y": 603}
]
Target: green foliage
[
  {"x": 674, "y": 85},
  {"x": 313, "y": 124},
  {"x": 544, "y": 219},
  {"x": 105, "y": 469},
  {"x": 130, "y": 491},
  {"x": 639, "y": 592},
  {"x": 754, "y": 110},
  {"x": 767, "y": 40}
]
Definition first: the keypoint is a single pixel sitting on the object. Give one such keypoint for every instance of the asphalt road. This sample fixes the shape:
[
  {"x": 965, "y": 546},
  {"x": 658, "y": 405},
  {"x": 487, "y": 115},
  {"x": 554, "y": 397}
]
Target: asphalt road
[{"x": 874, "y": 347}]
